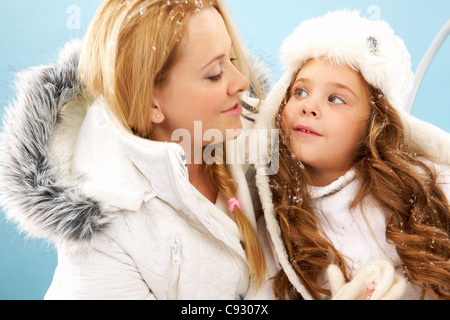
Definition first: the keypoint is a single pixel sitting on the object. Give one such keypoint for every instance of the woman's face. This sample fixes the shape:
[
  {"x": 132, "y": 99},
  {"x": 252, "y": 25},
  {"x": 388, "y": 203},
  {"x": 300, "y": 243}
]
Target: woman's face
[
  {"x": 203, "y": 86},
  {"x": 325, "y": 118}
]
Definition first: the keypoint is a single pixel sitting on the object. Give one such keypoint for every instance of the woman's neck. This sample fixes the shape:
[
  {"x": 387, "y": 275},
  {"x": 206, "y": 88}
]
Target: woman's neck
[{"x": 198, "y": 177}]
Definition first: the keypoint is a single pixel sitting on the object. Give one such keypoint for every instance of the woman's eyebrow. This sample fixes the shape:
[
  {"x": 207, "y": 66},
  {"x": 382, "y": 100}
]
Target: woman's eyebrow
[{"x": 219, "y": 57}]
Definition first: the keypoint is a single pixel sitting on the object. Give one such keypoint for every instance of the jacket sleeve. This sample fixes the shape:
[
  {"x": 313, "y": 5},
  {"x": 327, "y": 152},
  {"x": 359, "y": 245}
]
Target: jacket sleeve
[{"x": 103, "y": 272}]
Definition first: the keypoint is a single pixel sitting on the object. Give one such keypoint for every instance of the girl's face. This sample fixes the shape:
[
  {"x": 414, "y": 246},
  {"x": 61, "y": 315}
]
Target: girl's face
[
  {"x": 325, "y": 118},
  {"x": 204, "y": 85}
]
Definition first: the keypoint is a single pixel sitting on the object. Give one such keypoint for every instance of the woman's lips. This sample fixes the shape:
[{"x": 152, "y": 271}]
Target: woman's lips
[
  {"x": 306, "y": 131},
  {"x": 234, "y": 111}
]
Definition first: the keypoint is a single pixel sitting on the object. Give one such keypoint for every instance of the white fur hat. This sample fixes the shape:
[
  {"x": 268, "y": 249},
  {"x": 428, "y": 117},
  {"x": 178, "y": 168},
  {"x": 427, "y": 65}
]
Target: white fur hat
[{"x": 368, "y": 46}]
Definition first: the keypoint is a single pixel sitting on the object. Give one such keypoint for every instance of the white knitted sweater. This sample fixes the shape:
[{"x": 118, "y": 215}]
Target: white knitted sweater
[{"x": 359, "y": 235}]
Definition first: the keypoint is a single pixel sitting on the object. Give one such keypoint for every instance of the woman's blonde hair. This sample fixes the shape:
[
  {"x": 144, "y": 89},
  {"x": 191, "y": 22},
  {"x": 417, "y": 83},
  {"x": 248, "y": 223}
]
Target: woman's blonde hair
[
  {"x": 392, "y": 174},
  {"x": 129, "y": 49}
]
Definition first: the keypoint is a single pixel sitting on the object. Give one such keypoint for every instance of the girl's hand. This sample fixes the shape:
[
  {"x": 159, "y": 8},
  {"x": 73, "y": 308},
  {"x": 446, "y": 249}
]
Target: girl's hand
[
  {"x": 369, "y": 292},
  {"x": 375, "y": 281}
]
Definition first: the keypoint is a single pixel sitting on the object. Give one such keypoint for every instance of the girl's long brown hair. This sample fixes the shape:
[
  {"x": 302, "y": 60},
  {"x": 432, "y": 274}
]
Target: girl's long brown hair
[{"x": 395, "y": 176}]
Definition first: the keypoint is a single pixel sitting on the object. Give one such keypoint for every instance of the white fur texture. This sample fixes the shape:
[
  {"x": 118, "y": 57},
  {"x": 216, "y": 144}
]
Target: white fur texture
[{"x": 368, "y": 46}]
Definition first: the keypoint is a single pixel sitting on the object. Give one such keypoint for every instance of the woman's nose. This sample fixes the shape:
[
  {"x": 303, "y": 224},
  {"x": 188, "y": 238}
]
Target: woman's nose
[{"x": 239, "y": 83}]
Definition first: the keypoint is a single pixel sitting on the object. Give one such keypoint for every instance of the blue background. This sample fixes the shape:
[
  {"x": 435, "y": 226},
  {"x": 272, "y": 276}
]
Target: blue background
[{"x": 32, "y": 32}]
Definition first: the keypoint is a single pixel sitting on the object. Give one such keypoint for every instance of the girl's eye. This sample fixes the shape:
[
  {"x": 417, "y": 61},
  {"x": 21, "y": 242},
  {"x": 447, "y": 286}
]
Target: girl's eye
[
  {"x": 300, "y": 93},
  {"x": 336, "y": 100},
  {"x": 216, "y": 77}
]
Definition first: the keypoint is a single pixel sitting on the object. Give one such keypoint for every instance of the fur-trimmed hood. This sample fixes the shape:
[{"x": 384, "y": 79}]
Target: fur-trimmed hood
[{"x": 34, "y": 190}]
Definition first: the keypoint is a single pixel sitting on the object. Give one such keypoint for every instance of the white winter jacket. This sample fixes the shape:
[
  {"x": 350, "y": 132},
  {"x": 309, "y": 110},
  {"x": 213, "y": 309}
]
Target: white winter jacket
[
  {"x": 165, "y": 240},
  {"x": 125, "y": 219}
]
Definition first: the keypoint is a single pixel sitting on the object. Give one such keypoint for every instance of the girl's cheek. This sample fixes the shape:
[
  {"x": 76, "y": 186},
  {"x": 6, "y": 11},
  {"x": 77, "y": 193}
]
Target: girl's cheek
[{"x": 283, "y": 122}]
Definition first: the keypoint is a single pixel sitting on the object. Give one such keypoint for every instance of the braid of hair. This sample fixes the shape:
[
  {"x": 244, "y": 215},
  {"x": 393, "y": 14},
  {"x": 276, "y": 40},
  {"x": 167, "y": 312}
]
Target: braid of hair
[{"x": 255, "y": 255}]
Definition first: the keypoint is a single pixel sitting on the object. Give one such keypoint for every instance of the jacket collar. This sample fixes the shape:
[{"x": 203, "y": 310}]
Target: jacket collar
[
  {"x": 122, "y": 170},
  {"x": 131, "y": 159},
  {"x": 335, "y": 186}
]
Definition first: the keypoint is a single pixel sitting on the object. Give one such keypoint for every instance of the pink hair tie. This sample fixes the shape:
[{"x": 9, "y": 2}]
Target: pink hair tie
[{"x": 232, "y": 203}]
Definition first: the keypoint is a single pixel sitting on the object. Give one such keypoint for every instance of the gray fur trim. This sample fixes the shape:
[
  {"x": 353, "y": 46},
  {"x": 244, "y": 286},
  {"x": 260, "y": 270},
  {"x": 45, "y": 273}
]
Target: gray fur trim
[
  {"x": 261, "y": 73},
  {"x": 33, "y": 192}
]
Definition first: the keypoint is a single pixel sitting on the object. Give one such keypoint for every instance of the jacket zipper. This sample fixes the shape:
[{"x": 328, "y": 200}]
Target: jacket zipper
[{"x": 175, "y": 273}]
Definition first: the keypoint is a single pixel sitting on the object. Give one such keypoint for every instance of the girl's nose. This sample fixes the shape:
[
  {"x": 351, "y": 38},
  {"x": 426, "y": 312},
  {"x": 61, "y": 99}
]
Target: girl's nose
[{"x": 310, "y": 111}]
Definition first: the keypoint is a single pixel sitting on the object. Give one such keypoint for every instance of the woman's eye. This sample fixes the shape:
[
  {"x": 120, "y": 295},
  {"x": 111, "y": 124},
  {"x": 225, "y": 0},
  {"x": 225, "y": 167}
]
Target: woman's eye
[
  {"x": 300, "y": 93},
  {"x": 216, "y": 77},
  {"x": 336, "y": 100}
]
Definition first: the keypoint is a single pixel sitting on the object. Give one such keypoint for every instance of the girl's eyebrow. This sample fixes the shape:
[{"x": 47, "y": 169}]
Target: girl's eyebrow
[
  {"x": 342, "y": 86},
  {"x": 333, "y": 84},
  {"x": 301, "y": 80}
]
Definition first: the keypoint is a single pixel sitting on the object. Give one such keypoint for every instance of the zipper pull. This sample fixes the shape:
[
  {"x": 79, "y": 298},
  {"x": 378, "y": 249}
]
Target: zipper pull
[{"x": 176, "y": 260}]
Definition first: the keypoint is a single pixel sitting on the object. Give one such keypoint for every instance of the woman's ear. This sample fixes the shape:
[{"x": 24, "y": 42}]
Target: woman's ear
[{"x": 157, "y": 113}]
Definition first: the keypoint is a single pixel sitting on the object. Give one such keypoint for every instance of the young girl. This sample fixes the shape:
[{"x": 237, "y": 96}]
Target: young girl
[
  {"x": 89, "y": 163},
  {"x": 358, "y": 209}
]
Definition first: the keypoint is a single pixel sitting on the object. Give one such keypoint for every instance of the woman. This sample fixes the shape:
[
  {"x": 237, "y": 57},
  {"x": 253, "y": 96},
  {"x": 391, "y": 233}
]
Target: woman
[{"x": 92, "y": 165}]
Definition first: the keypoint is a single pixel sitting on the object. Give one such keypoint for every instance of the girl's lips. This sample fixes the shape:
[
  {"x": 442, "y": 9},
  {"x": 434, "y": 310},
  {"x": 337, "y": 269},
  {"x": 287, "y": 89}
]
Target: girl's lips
[
  {"x": 306, "y": 131},
  {"x": 234, "y": 111}
]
